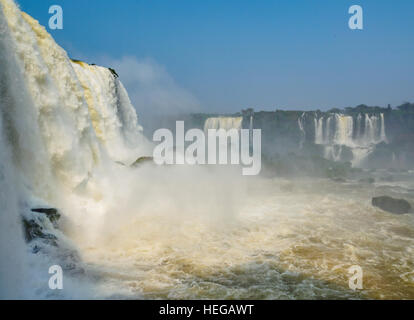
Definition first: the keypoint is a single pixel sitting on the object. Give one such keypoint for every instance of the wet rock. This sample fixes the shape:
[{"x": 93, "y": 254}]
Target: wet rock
[
  {"x": 34, "y": 230},
  {"x": 52, "y": 213},
  {"x": 142, "y": 160},
  {"x": 398, "y": 206},
  {"x": 114, "y": 72},
  {"x": 34, "y": 225},
  {"x": 43, "y": 237}
]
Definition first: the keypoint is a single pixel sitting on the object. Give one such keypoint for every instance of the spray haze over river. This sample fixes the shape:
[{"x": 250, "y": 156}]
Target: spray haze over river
[
  {"x": 287, "y": 240},
  {"x": 68, "y": 135}
]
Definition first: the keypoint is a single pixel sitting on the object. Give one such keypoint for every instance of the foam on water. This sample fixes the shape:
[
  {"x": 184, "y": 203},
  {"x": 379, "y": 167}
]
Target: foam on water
[
  {"x": 172, "y": 232},
  {"x": 281, "y": 244}
]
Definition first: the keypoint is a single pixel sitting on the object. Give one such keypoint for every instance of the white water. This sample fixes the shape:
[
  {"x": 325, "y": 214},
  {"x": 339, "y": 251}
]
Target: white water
[
  {"x": 226, "y": 123},
  {"x": 302, "y": 130},
  {"x": 164, "y": 232},
  {"x": 12, "y": 246},
  {"x": 383, "y": 136},
  {"x": 319, "y": 138},
  {"x": 361, "y": 139},
  {"x": 62, "y": 123},
  {"x": 66, "y": 127},
  {"x": 251, "y": 130}
]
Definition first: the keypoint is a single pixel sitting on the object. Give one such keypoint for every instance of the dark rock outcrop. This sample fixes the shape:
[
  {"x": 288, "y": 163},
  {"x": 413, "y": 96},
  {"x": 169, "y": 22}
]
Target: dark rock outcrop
[
  {"x": 114, "y": 72},
  {"x": 142, "y": 160},
  {"x": 33, "y": 230},
  {"x": 34, "y": 225},
  {"x": 398, "y": 206},
  {"x": 52, "y": 213},
  {"x": 42, "y": 234}
]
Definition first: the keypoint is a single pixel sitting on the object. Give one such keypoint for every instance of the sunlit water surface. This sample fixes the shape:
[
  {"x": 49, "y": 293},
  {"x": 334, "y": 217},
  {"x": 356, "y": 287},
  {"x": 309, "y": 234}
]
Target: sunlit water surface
[{"x": 290, "y": 240}]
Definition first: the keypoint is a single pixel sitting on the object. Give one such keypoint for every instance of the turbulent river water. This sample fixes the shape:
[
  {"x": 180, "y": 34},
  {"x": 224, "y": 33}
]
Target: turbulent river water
[
  {"x": 287, "y": 240},
  {"x": 68, "y": 133}
]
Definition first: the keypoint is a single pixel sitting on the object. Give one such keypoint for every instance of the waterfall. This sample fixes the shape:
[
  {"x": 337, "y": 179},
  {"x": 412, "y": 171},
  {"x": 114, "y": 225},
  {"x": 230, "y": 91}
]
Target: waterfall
[
  {"x": 319, "y": 131},
  {"x": 360, "y": 139},
  {"x": 77, "y": 115},
  {"x": 301, "y": 120},
  {"x": 358, "y": 125},
  {"x": 344, "y": 126},
  {"x": 12, "y": 246},
  {"x": 225, "y": 123},
  {"x": 62, "y": 123},
  {"x": 327, "y": 136},
  {"x": 370, "y": 126},
  {"x": 113, "y": 117},
  {"x": 383, "y": 136}
]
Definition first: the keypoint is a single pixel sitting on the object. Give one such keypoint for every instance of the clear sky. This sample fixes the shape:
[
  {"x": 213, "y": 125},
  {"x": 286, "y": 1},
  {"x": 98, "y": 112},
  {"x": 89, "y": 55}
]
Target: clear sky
[{"x": 266, "y": 54}]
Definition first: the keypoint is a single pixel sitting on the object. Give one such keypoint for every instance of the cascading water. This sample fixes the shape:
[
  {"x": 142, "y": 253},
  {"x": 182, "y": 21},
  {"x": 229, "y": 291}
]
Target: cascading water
[
  {"x": 319, "y": 139},
  {"x": 12, "y": 245},
  {"x": 302, "y": 130},
  {"x": 68, "y": 133},
  {"x": 360, "y": 136},
  {"x": 170, "y": 232},
  {"x": 229, "y": 124},
  {"x": 113, "y": 117},
  {"x": 225, "y": 123},
  {"x": 383, "y": 136},
  {"x": 251, "y": 130},
  {"x": 77, "y": 114},
  {"x": 61, "y": 122}
]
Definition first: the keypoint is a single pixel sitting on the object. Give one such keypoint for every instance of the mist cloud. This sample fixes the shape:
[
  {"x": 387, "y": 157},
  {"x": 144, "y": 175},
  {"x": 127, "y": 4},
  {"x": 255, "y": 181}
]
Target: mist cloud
[{"x": 152, "y": 90}]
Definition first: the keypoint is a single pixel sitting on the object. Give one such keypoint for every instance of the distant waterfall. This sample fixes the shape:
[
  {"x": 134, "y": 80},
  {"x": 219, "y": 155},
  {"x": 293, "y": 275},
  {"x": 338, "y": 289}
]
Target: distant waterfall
[
  {"x": 328, "y": 130},
  {"x": 383, "y": 136},
  {"x": 251, "y": 130},
  {"x": 344, "y": 128},
  {"x": 360, "y": 134},
  {"x": 301, "y": 120},
  {"x": 225, "y": 123},
  {"x": 319, "y": 131}
]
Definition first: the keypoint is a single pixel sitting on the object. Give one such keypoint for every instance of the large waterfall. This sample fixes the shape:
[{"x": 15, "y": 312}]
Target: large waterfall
[
  {"x": 61, "y": 123},
  {"x": 360, "y": 134},
  {"x": 78, "y": 190},
  {"x": 301, "y": 124}
]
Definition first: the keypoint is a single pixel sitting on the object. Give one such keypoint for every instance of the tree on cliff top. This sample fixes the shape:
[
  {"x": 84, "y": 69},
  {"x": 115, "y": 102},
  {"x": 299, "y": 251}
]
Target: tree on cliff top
[{"x": 407, "y": 107}]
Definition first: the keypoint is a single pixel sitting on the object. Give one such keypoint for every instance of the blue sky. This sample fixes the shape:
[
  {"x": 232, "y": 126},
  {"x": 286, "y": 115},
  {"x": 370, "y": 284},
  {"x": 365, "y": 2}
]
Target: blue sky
[{"x": 229, "y": 55}]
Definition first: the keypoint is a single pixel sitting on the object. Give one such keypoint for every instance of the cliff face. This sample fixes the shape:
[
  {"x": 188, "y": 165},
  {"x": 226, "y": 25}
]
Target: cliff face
[{"x": 399, "y": 152}]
